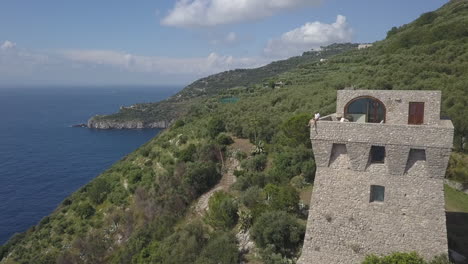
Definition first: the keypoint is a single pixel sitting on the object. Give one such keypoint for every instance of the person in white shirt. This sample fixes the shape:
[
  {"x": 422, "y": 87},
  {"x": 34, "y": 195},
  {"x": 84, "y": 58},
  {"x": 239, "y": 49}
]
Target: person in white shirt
[{"x": 313, "y": 122}]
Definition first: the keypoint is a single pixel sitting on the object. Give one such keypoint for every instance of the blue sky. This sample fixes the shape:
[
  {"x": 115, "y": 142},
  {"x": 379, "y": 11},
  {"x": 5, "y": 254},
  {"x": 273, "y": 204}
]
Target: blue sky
[{"x": 175, "y": 42}]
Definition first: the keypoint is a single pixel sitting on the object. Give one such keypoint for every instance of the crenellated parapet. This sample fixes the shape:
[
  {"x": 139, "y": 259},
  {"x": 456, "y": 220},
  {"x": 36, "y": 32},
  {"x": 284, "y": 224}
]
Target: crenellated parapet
[{"x": 397, "y": 140}]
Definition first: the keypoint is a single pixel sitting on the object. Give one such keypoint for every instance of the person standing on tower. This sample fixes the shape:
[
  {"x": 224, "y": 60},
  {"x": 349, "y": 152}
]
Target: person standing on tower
[{"x": 313, "y": 122}]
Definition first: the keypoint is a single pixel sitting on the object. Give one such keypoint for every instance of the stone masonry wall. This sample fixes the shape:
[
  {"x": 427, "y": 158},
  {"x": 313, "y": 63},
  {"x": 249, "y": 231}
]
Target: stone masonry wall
[
  {"x": 396, "y": 103},
  {"x": 344, "y": 227}
]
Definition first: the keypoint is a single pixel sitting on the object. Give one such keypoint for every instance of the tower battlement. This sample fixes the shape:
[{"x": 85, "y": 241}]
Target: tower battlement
[{"x": 381, "y": 160}]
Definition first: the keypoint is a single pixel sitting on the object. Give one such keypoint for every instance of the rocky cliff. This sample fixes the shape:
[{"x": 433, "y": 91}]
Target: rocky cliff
[{"x": 131, "y": 124}]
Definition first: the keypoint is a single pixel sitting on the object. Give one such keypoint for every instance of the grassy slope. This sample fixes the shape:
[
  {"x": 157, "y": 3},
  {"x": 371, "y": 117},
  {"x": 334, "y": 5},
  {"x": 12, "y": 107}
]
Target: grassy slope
[
  {"x": 150, "y": 187},
  {"x": 455, "y": 201}
]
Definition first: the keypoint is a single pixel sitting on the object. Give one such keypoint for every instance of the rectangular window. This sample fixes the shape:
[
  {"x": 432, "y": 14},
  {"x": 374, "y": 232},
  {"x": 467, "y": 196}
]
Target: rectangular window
[
  {"x": 377, "y": 193},
  {"x": 377, "y": 154},
  {"x": 416, "y": 113}
]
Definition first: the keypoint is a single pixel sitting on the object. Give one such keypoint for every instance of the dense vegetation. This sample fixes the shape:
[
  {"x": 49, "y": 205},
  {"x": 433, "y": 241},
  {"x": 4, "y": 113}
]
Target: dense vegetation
[
  {"x": 404, "y": 258},
  {"x": 140, "y": 210}
]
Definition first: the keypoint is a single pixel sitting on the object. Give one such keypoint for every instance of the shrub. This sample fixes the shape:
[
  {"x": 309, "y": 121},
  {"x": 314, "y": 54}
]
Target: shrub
[
  {"x": 67, "y": 202},
  {"x": 187, "y": 154},
  {"x": 178, "y": 123},
  {"x": 201, "y": 176},
  {"x": 223, "y": 139},
  {"x": 98, "y": 190},
  {"x": 279, "y": 229},
  {"x": 248, "y": 179},
  {"x": 245, "y": 219},
  {"x": 85, "y": 210},
  {"x": 215, "y": 126},
  {"x": 291, "y": 162},
  {"x": 240, "y": 155},
  {"x": 255, "y": 163},
  {"x": 183, "y": 139},
  {"x": 222, "y": 212},
  {"x": 270, "y": 257},
  {"x": 458, "y": 168},
  {"x": 148, "y": 163},
  {"x": 183, "y": 246},
  {"x": 252, "y": 196},
  {"x": 392, "y": 32},
  {"x": 395, "y": 258},
  {"x": 166, "y": 159},
  {"x": 118, "y": 196},
  {"x": 209, "y": 152},
  {"x": 308, "y": 170},
  {"x": 282, "y": 197},
  {"x": 426, "y": 18},
  {"x": 221, "y": 248},
  {"x": 145, "y": 151},
  {"x": 298, "y": 182}
]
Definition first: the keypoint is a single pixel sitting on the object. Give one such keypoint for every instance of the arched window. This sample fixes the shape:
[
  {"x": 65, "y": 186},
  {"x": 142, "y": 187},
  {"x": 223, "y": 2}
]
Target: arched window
[{"x": 365, "y": 109}]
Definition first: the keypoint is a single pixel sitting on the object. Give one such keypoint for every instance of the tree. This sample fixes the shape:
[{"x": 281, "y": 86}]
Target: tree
[
  {"x": 98, "y": 190},
  {"x": 223, "y": 139},
  {"x": 392, "y": 32},
  {"x": 459, "y": 114},
  {"x": 255, "y": 163},
  {"x": 222, "y": 212},
  {"x": 221, "y": 248},
  {"x": 187, "y": 154},
  {"x": 215, "y": 126},
  {"x": 178, "y": 123},
  {"x": 183, "y": 246},
  {"x": 200, "y": 177},
  {"x": 297, "y": 130},
  {"x": 281, "y": 230},
  {"x": 282, "y": 197},
  {"x": 85, "y": 210}
]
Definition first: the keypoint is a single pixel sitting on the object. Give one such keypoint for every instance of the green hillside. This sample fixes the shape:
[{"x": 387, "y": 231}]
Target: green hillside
[
  {"x": 141, "y": 210},
  {"x": 178, "y": 105}
]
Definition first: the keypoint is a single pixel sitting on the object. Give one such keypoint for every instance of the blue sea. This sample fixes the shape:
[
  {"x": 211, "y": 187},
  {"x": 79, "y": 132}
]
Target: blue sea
[{"x": 43, "y": 159}]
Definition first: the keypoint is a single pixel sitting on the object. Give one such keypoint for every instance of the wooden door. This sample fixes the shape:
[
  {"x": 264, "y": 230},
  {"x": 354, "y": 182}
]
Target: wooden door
[{"x": 416, "y": 113}]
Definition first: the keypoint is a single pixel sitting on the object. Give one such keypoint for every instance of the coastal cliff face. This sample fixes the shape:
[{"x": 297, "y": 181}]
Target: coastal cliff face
[{"x": 131, "y": 124}]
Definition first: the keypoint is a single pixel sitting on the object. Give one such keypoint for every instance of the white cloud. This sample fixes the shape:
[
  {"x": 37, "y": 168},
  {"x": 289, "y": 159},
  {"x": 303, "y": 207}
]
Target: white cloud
[
  {"x": 228, "y": 39},
  {"x": 202, "y": 13},
  {"x": 231, "y": 37},
  {"x": 210, "y": 64},
  {"x": 312, "y": 35},
  {"x": 108, "y": 66},
  {"x": 7, "y": 45}
]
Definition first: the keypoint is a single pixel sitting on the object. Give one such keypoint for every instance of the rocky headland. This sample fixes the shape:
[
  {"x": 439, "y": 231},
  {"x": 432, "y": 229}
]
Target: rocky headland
[{"x": 130, "y": 124}]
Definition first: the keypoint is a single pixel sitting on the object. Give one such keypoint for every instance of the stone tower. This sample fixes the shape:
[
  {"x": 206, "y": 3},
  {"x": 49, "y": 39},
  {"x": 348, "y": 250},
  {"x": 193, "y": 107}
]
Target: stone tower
[{"x": 379, "y": 182}]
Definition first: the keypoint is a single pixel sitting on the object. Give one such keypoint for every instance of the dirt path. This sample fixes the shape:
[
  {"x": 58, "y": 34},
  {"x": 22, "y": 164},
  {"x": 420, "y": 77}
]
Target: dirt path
[{"x": 226, "y": 181}]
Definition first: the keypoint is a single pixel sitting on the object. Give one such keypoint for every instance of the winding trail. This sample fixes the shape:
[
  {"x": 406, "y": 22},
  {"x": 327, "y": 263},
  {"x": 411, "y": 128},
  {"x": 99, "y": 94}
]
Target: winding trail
[{"x": 226, "y": 181}]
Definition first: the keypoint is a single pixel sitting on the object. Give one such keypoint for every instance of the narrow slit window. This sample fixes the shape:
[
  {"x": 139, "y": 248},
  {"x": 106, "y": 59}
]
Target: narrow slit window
[
  {"x": 377, "y": 154},
  {"x": 377, "y": 193}
]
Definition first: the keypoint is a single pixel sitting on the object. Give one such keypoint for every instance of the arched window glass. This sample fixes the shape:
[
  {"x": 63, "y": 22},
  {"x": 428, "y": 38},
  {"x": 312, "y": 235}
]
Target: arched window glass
[{"x": 365, "y": 109}]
